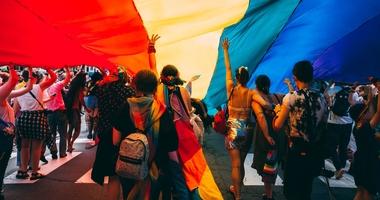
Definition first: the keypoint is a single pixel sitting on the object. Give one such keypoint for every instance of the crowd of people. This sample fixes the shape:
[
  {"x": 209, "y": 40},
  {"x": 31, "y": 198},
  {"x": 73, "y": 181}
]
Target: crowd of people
[{"x": 295, "y": 132}]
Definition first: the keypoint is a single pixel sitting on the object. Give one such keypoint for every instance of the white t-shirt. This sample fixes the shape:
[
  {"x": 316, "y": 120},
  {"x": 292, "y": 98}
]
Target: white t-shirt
[{"x": 28, "y": 103}]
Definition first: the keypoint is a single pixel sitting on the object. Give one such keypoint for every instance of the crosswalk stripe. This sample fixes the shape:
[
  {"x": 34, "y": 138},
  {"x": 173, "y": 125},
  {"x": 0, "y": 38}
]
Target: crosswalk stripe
[
  {"x": 45, "y": 169},
  {"x": 347, "y": 181},
  {"x": 251, "y": 176},
  {"x": 86, "y": 178}
]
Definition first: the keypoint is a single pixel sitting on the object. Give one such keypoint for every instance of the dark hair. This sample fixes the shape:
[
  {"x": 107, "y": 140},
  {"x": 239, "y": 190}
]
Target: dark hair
[
  {"x": 263, "y": 83},
  {"x": 170, "y": 70},
  {"x": 145, "y": 81},
  {"x": 25, "y": 75},
  {"x": 78, "y": 83},
  {"x": 242, "y": 75},
  {"x": 4, "y": 77},
  {"x": 303, "y": 71}
]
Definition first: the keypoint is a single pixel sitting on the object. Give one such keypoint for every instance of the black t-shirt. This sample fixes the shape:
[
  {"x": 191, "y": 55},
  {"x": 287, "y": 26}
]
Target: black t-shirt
[{"x": 167, "y": 136}]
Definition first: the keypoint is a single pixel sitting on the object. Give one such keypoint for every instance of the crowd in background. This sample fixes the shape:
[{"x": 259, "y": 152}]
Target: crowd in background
[{"x": 295, "y": 132}]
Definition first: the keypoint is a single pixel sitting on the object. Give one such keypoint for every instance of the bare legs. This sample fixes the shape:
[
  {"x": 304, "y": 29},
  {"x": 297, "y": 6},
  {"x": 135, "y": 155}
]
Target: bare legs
[
  {"x": 34, "y": 154},
  {"x": 235, "y": 172}
]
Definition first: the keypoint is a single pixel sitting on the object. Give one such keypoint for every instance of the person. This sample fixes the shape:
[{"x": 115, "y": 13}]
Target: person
[
  {"x": 339, "y": 127},
  {"x": 366, "y": 163},
  {"x": 178, "y": 101},
  {"x": 74, "y": 102},
  {"x": 7, "y": 116},
  {"x": 306, "y": 111},
  {"x": 91, "y": 103},
  {"x": 267, "y": 142},
  {"x": 239, "y": 135},
  {"x": 153, "y": 117},
  {"x": 57, "y": 118},
  {"x": 111, "y": 93},
  {"x": 32, "y": 126}
]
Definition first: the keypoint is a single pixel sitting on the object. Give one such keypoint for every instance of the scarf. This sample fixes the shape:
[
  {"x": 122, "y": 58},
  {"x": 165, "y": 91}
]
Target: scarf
[{"x": 145, "y": 113}]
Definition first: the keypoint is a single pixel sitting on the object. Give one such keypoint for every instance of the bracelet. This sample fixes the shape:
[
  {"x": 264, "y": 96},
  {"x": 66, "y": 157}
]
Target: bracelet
[{"x": 151, "y": 49}]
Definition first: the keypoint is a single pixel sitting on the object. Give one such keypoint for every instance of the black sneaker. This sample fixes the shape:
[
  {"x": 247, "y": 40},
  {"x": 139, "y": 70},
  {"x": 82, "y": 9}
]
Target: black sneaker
[
  {"x": 43, "y": 159},
  {"x": 54, "y": 156},
  {"x": 89, "y": 136},
  {"x": 36, "y": 176}
]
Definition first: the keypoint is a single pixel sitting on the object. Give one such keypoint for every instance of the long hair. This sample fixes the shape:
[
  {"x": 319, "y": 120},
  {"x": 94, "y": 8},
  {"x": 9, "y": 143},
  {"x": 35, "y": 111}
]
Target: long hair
[{"x": 78, "y": 83}]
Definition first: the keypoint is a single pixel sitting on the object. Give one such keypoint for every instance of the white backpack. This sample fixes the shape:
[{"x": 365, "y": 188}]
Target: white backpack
[{"x": 133, "y": 157}]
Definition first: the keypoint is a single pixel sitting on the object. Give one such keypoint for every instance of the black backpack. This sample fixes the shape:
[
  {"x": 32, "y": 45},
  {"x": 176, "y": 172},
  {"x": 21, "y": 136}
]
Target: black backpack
[{"x": 341, "y": 105}]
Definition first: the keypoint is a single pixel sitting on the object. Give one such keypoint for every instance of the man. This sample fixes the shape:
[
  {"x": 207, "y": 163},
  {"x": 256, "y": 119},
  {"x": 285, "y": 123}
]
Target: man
[
  {"x": 339, "y": 127},
  {"x": 57, "y": 116},
  {"x": 305, "y": 109}
]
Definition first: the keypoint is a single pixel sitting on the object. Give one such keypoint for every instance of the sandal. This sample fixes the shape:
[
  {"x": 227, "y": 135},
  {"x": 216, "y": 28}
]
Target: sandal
[
  {"x": 22, "y": 175},
  {"x": 36, "y": 176}
]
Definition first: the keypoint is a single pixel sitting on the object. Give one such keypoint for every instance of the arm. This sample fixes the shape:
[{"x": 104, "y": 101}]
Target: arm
[
  {"x": 48, "y": 81},
  {"x": 256, "y": 97},
  {"x": 152, "y": 53},
  {"x": 32, "y": 80},
  {"x": 16, "y": 106},
  {"x": 7, "y": 87},
  {"x": 116, "y": 137},
  {"x": 227, "y": 63},
  {"x": 262, "y": 122},
  {"x": 67, "y": 78},
  {"x": 279, "y": 120},
  {"x": 376, "y": 118}
]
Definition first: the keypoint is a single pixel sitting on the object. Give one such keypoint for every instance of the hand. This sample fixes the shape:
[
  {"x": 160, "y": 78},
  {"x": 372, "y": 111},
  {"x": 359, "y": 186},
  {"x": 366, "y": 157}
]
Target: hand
[
  {"x": 277, "y": 108},
  {"x": 225, "y": 44},
  {"x": 194, "y": 78},
  {"x": 270, "y": 140},
  {"x": 153, "y": 39}
]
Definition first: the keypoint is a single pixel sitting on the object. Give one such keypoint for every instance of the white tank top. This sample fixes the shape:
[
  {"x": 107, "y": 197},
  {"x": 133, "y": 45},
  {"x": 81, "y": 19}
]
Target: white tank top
[{"x": 28, "y": 103}]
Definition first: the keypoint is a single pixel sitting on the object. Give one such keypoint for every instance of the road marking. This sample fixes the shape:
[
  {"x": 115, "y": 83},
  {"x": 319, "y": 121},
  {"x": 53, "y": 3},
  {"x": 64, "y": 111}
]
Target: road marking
[
  {"x": 347, "y": 181},
  {"x": 251, "y": 176},
  {"x": 86, "y": 178},
  {"x": 45, "y": 169}
]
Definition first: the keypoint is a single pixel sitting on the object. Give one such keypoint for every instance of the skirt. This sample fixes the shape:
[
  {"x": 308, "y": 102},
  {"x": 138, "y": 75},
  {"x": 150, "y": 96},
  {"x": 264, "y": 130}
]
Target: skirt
[
  {"x": 32, "y": 125},
  {"x": 239, "y": 135}
]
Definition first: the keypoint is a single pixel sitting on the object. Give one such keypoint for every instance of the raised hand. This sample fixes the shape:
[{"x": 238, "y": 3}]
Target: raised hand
[
  {"x": 153, "y": 39},
  {"x": 226, "y": 43}
]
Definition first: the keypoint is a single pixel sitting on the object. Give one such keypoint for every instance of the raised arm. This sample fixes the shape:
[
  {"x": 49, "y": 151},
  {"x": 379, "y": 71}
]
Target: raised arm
[
  {"x": 49, "y": 80},
  {"x": 67, "y": 77},
  {"x": 262, "y": 122},
  {"x": 7, "y": 87},
  {"x": 29, "y": 86},
  {"x": 152, "y": 53},
  {"x": 229, "y": 80}
]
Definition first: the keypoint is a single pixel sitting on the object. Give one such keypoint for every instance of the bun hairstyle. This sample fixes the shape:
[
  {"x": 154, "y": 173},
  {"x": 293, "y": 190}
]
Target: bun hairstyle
[
  {"x": 242, "y": 75},
  {"x": 170, "y": 76},
  {"x": 263, "y": 83}
]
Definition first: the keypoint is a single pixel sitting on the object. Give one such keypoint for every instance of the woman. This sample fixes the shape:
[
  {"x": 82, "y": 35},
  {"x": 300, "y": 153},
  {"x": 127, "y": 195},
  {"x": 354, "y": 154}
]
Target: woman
[
  {"x": 266, "y": 152},
  {"x": 32, "y": 126},
  {"x": 194, "y": 165},
  {"x": 74, "y": 102},
  {"x": 7, "y": 116},
  {"x": 155, "y": 120},
  {"x": 239, "y": 134},
  {"x": 112, "y": 94},
  {"x": 366, "y": 164}
]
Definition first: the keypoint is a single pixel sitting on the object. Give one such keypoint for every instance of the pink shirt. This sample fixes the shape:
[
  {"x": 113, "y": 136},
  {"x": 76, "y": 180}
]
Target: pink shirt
[{"x": 56, "y": 102}]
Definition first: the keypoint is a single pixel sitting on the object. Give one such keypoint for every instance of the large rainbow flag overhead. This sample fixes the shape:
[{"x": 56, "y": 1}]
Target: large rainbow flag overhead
[{"x": 341, "y": 37}]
